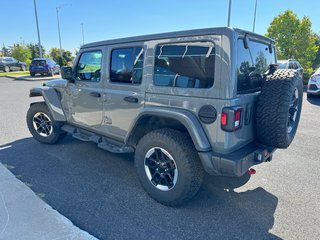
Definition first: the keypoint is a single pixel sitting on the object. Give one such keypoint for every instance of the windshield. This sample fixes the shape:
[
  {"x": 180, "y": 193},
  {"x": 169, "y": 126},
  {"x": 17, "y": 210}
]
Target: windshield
[
  {"x": 282, "y": 65},
  {"x": 252, "y": 63}
]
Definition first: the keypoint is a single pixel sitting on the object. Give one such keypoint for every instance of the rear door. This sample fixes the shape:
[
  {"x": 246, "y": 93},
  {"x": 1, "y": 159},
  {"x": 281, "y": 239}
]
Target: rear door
[{"x": 124, "y": 89}]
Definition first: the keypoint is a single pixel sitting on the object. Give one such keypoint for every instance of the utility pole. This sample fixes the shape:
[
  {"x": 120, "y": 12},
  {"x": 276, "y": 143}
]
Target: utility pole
[
  {"x": 58, "y": 9},
  {"x": 254, "y": 16},
  {"x": 229, "y": 12},
  {"x": 39, "y": 42},
  {"x": 82, "y": 34}
]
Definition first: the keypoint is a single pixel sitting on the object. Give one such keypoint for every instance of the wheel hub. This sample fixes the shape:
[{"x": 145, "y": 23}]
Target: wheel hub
[
  {"x": 42, "y": 124},
  {"x": 160, "y": 168}
]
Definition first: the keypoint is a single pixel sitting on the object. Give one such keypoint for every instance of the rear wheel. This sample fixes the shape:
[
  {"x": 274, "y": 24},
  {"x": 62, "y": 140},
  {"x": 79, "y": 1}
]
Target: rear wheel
[
  {"x": 32, "y": 74},
  {"x": 168, "y": 166},
  {"x": 279, "y": 108},
  {"x": 42, "y": 125},
  {"x": 50, "y": 73}
]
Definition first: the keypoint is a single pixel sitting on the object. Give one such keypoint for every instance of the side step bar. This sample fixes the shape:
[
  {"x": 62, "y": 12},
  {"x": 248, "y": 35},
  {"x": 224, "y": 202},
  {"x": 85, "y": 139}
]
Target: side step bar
[{"x": 103, "y": 142}]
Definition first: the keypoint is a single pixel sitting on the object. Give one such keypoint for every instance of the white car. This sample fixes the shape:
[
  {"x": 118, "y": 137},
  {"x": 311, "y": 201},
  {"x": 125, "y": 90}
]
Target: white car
[{"x": 314, "y": 84}]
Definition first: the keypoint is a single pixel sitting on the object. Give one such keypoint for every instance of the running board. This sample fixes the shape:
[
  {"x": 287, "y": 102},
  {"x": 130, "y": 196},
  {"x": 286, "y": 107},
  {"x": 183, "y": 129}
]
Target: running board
[{"x": 102, "y": 141}]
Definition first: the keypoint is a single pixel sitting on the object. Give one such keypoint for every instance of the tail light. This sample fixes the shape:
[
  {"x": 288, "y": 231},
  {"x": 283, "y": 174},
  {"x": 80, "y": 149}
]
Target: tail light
[{"x": 231, "y": 119}]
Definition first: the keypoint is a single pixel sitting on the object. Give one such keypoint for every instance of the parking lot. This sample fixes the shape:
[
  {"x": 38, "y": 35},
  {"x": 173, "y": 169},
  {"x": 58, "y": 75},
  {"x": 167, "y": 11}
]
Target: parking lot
[{"x": 100, "y": 193}]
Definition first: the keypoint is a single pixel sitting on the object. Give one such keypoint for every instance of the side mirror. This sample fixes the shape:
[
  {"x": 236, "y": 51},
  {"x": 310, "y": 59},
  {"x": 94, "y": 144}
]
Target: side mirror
[{"x": 66, "y": 73}]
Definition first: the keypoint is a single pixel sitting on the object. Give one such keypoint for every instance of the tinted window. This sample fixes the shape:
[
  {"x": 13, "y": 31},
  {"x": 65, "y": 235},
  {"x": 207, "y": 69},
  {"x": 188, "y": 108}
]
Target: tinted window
[
  {"x": 38, "y": 62},
  {"x": 185, "y": 65},
  {"x": 252, "y": 63},
  {"x": 126, "y": 65},
  {"x": 89, "y": 66}
]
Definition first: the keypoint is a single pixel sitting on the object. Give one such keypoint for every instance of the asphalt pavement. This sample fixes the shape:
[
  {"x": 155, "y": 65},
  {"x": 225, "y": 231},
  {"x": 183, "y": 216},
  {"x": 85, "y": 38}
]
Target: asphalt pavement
[{"x": 99, "y": 192}]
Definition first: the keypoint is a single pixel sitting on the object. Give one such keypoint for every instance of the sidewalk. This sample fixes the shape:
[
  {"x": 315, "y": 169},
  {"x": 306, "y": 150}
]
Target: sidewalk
[{"x": 23, "y": 215}]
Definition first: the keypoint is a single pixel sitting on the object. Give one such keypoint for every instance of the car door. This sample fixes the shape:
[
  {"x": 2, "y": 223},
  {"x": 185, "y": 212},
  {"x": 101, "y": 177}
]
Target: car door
[
  {"x": 125, "y": 92},
  {"x": 86, "y": 91}
]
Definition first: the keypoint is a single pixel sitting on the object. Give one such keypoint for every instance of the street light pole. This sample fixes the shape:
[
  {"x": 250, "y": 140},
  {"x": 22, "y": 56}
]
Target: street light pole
[
  {"x": 58, "y": 9},
  {"x": 229, "y": 12},
  {"x": 39, "y": 42},
  {"x": 254, "y": 16},
  {"x": 82, "y": 34},
  {"x": 59, "y": 31}
]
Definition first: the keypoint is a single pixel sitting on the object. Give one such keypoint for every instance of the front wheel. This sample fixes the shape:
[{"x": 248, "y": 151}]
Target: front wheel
[
  {"x": 23, "y": 68},
  {"x": 168, "y": 166},
  {"x": 42, "y": 125}
]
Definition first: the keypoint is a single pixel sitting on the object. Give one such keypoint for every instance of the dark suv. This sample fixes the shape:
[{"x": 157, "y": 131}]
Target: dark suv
[
  {"x": 185, "y": 102},
  {"x": 44, "y": 66},
  {"x": 8, "y": 64}
]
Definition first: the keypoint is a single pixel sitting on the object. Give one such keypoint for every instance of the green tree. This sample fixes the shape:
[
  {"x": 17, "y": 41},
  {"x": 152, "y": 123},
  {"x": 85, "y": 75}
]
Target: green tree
[
  {"x": 66, "y": 56},
  {"x": 21, "y": 52},
  {"x": 34, "y": 49},
  {"x": 5, "y": 52},
  {"x": 316, "y": 62},
  {"x": 294, "y": 39}
]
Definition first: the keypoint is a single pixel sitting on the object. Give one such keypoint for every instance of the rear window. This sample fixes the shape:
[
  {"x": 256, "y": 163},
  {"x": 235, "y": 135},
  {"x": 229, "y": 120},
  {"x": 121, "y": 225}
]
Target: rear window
[
  {"x": 252, "y": 63},
  {"x": 185, "y": 65},
  {"x": 39, "y": 62}
]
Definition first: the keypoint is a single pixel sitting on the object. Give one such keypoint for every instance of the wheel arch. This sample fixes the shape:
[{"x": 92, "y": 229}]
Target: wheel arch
[
  {"x": 52, "y": 99},
  {"x": 152, "y": 118}
]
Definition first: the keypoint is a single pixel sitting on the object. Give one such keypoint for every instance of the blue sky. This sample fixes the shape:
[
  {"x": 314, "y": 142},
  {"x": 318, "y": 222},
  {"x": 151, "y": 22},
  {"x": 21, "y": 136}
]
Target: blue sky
[{"x": 105, "y": 19}]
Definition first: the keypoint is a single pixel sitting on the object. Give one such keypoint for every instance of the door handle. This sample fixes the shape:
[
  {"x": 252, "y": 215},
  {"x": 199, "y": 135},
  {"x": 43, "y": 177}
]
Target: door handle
[
  {"x": 95, "y": 94},
  {"x": 131, "y": 99}
]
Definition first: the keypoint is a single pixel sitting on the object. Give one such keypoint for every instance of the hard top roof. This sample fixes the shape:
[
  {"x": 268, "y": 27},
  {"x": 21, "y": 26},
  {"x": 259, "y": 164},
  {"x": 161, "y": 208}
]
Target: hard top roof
[{"x": 187, "y": 33}]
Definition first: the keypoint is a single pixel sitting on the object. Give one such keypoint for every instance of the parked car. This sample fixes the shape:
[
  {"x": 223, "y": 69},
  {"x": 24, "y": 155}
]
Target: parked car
[
  {"x": 8, "y": 64},
  {"x": 185, "y": 102},
  {"x": 290, "y": 64},
  {"x": 44, "y": 66},
  {"x": 314, "y": 84}
]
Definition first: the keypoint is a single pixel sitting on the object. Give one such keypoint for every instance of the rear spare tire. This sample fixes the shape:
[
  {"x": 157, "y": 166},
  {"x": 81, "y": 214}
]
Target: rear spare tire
[{"x": 279, "y": 108}]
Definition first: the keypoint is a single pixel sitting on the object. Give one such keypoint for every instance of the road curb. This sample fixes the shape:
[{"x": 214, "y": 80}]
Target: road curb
[{"x": 31, "y": 79}]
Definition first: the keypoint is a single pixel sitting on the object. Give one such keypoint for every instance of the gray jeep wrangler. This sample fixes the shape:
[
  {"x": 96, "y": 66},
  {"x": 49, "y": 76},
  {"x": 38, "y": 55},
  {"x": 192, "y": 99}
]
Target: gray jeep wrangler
[{"x": 185, "y": 102}]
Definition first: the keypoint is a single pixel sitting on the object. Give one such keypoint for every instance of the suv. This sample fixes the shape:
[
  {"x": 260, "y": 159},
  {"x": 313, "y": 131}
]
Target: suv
[
  {"x": 44, "y": 66},
  {"x": 8, "y": 64},
  {"x": 290, "y": 64},
  {"x": 185, "y": 102}
]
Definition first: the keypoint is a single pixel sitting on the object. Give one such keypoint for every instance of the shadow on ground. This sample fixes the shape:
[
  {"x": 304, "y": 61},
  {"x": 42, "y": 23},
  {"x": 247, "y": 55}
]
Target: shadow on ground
[
  {"x": 315, "y": 100},
  {"x": 100, "y": 193}
]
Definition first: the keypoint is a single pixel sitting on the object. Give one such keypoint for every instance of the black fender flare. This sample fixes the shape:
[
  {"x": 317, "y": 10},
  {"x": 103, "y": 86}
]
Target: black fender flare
[
  {"x": 185, "y": 117},
  {"x": 52, "y": 100}
]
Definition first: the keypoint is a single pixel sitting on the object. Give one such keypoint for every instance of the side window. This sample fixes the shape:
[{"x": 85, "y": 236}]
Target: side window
[
  {"x": 126, "y": 65},
  {"x": 291, "y": 66},
  {"x": 185, "y": 65},
  {"x": 89, "y": 66}
]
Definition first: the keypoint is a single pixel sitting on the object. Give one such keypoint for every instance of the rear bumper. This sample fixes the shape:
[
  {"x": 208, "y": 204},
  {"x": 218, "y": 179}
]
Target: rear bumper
[{"x": 236, "y": 163}]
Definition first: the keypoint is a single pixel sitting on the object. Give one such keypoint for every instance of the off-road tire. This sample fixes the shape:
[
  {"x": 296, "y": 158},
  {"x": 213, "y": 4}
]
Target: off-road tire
[
  {"x": 56, "y": 133},
  {"x": 274, "y": 104},
  {"x": 189, "y": 168}
]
